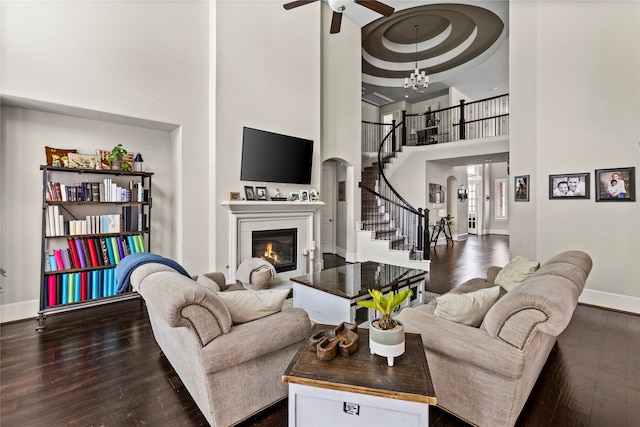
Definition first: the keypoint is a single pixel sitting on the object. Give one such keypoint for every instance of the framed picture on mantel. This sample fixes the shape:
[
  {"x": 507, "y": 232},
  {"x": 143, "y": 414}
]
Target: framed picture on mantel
[
  {"x": 248, "y": 193},
  {"x": 261, "y": 193}
]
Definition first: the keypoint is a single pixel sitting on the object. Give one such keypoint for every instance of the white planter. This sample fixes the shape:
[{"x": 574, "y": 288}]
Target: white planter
[{"x": 387, "y": 343}]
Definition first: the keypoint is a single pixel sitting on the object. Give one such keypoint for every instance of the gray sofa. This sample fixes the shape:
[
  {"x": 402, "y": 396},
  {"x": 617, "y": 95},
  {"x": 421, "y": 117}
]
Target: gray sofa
[
  {"x": 231, "y": 371},
  {"x": 485, "y": 374}
]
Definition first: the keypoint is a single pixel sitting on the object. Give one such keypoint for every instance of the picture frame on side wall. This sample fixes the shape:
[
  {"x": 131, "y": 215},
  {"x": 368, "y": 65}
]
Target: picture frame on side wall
[
  {"x": 616, "y": 185},
  {"x": 249, "y": 193},
  {"x": 569, "y": 186},
  {"x": 521, "y": 185}
]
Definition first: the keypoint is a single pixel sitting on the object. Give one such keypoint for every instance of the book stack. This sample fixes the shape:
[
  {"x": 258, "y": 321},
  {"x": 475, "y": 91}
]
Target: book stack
[
  {"x": 68, "y": 288},
  {"x": 105, "y": 191},
  {"x": 131, "y": 219},
  {"x": 91, "y": 252}
]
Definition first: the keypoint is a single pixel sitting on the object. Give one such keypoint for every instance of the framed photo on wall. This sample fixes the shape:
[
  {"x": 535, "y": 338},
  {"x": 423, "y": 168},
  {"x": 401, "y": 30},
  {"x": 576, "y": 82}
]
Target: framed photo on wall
[
  {"x": 248, "y": 193},
  {"x": 569, "y": 186},
  {"x": 616, "y": 185},
  {"x": 521, "y": 184}
]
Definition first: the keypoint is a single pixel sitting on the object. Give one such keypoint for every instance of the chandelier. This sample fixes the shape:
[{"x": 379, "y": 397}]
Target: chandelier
[{"x": 417, "y": 80}]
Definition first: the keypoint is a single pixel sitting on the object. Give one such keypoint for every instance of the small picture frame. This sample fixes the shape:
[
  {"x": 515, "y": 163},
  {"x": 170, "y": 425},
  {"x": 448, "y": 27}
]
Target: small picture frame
[
  {"x": 313, "y": 195},
  {"x": 261, "y": 193},
  {"x": 294, "y": 197},
  {"x": 234, "y": 195},
  {"x": 616, "y": 185},
  {"x": 249, "y": 193},
  {"x": 84, "y": 161},
  {"x": 569, "y": 186},
  {"x": 304, "y": 195},
  {"x": 521, "y": 185}
]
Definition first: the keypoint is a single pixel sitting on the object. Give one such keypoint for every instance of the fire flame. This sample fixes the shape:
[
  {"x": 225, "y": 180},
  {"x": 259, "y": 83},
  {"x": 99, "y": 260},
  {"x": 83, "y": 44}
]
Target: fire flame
[{"x": 269, "y": 254}]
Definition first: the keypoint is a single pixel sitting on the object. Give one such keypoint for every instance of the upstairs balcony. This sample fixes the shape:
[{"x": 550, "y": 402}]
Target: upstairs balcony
[{"x": 467, "y": 121}]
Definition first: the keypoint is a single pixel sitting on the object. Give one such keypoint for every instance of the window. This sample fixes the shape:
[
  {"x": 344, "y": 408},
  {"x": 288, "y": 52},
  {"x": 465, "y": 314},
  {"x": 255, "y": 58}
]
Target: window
[
  {"x": 473, "y": 197},
  {"x": 501, "y": 199}
]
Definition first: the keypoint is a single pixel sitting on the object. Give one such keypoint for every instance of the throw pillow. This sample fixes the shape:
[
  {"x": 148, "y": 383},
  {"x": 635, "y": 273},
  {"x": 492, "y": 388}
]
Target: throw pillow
[
  {"x": 248, "y": 305},
  {"x": 515, "y": 272},
  {"x": 468, "y": 308},
  {"x": 209, "y": 283}
]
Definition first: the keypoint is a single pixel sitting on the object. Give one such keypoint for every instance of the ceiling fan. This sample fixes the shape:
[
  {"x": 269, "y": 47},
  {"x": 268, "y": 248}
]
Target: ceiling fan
[{"x": 338, "y": 6}]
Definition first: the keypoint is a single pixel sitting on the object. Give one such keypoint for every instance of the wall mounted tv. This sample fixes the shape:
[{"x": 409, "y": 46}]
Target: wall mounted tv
[{"x": 272, "y": 157}]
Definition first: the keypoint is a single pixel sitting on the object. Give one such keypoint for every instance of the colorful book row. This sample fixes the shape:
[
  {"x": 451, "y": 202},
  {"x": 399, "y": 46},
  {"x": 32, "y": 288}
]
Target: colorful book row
[
  {"x": 93, "y": 252},
  {"x": 67, "y": 288},
  {"x": 105, "y": 191}
]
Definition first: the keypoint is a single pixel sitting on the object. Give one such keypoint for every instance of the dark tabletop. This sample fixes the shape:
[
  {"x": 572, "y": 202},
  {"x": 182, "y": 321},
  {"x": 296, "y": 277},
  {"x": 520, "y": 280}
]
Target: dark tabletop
[
  {"x": 365, "y": 373},
  {"x": 354, "y": 280}
]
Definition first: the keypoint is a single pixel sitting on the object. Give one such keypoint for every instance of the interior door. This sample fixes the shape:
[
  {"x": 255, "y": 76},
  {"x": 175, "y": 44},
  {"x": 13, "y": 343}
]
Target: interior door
[
  {"x": 474, "y": 204},
  {"x": 328, "y": 211}
]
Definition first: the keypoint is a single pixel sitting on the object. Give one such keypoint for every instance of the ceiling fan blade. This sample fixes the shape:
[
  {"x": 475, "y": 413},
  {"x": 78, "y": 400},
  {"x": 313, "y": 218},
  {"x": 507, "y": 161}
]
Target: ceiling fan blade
[
  {"x": 294, "y": 4},
  {"x": 336, "y": 20},
  {"x": 376, "y": 6}
]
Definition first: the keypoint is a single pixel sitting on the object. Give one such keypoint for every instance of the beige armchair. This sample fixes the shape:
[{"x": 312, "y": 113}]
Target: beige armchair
[
  {"x": 231, "y": 371},
  {"x": 485, "y": 374}
]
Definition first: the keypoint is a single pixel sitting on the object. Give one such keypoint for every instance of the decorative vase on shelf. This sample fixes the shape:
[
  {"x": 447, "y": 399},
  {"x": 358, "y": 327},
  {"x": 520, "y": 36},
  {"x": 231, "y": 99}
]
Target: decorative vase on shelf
[{"x": 116, "y": 165}]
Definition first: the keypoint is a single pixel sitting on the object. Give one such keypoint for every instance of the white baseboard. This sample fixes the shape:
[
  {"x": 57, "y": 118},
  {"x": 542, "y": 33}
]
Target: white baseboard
[
  {"x": 611, "y": 301},
  {"x": 19, "y": 311}
]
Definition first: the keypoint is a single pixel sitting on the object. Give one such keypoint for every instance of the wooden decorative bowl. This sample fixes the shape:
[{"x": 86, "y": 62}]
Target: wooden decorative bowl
[{"x": 327, "y": 342}]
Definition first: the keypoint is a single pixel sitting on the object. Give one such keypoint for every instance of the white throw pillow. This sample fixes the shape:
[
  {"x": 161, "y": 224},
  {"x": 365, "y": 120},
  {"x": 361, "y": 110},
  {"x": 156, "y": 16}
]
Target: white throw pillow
[
  {"x": 249, "y": 305},
  {"x": 515, "y": 272},
  {"x": 209, "y": 283},
  {"x": 468, "y": 308}
]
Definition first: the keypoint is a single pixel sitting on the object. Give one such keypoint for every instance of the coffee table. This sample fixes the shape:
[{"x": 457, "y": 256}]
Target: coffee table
[
  {"x": 330, "y": 296},
  {"x": 360, "y": 390}
]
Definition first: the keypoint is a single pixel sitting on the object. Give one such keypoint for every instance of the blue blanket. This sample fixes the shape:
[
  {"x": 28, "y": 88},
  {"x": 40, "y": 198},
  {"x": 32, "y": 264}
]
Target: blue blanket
[{"x": 129, "y": 263}]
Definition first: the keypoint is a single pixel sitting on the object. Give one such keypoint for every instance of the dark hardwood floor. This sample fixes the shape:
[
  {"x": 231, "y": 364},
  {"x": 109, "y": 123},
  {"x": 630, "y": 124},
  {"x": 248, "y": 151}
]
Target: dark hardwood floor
[{"x": 102, "y": 367}]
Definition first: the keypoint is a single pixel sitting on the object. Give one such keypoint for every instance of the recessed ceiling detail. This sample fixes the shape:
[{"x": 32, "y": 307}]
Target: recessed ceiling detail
[{"x": 451, "y": 39}]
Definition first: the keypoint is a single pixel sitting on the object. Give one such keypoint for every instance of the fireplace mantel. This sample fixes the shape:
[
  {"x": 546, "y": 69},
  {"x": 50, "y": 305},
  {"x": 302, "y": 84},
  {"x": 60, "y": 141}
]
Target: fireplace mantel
[
  {"x": 265, "y": 206},
  {"x": 264, "y": 215}
]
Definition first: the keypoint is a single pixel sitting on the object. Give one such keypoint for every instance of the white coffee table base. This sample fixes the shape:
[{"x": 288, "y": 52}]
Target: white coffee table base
[{"x": 320, "y": 407}]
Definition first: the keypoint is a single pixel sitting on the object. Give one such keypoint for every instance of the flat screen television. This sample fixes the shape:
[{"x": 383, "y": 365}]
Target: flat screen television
[{"x": 272, "y": 157}]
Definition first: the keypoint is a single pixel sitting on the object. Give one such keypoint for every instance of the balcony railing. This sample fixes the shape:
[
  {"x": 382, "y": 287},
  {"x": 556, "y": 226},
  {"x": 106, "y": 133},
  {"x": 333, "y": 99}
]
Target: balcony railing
[{"x": 479, "y": 119}]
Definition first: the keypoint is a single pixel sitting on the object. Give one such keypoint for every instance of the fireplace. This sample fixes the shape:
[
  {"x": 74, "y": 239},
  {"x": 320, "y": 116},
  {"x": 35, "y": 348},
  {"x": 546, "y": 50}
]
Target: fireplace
[{"x": 279, "y": 247}]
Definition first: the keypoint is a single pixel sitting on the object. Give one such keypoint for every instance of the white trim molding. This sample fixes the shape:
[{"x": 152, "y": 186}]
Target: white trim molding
[
  {"x": 612, "y": 301},
  {"x": 248, "y": 216}
]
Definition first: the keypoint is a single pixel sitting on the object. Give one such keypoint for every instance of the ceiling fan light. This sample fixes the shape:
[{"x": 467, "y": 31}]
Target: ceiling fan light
[{"x": 338, "y": 5}]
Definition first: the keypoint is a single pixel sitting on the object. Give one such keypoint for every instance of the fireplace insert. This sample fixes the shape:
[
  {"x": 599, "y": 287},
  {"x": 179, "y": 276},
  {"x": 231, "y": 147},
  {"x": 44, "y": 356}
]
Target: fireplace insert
[{"x": 279, "y": 247}]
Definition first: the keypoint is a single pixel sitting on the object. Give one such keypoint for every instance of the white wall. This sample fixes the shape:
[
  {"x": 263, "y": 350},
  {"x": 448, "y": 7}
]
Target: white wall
[
  {"x": 24, "y": 135},
  {"x": 268, "y": 77},
  {"x": 342, "y": 114},
  {"x": 565, "y": 117},
  {"x": 370, "y": 113},
  {"x": 133, "y": 61}
]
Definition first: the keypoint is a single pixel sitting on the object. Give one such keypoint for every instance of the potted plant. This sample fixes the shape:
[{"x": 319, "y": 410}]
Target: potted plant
[
  {"x": 386, "y": 335},
  {"x": 116, "y": 158},
  {"x": 449, "y": 219}
]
